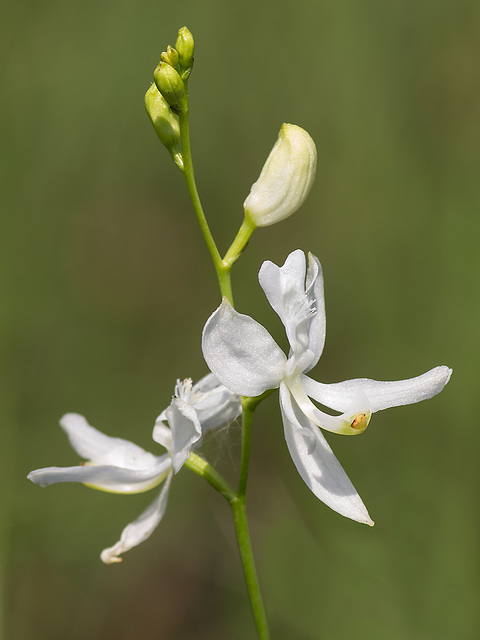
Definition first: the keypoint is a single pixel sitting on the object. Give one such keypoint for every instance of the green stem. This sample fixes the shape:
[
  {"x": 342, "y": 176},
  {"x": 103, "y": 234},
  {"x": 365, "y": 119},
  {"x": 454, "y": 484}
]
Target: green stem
[
  {"x": 239, "y": 513},
  {"x": 223, "y": 273},
  {"x": 240, "y": 242},
  {"x": 200, "y": 466},
  {"x": 244, "y": 545},
  {"x": 237, "y": 503},
  {"x": 197, "y": 464}
]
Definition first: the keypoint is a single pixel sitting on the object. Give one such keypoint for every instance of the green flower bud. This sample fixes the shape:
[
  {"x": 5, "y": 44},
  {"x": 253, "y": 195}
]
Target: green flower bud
[
  {"x": 169, "y": 84},
  {"x": 285, "y": 180},
  {"x": 170, "y": 56},
  {"x": 185, "y": 47},
  {"x": 165, "y": 123}
]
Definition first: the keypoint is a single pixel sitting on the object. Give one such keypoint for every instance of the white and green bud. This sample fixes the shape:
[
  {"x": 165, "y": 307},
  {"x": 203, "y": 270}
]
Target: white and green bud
[
  {"x": 170, "y": 56},
  {"x": 169, "y": 84},
  {"x": 286, "y": 178},
  {"x": 185, "y": 47},
  {"x": 165, "y": 122}
]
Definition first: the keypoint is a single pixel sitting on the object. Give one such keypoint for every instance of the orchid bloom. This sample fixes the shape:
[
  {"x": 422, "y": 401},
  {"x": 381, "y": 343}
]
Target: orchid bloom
[
  {"x": 247, "y": 360},
  {"x": 119, "y": 466}
]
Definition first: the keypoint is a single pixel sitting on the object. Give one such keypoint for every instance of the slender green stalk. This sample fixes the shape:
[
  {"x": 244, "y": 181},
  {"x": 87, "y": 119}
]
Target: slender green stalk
[
  {"x": 223, "y": 273},
  {"x": 197, "y": 464},
  {"x": 200, "y": 466},
  {"x": 237, "y": 503},
  {"x": 239, "y": 513},
  {"x": 243, "y": 538},
  {"x": 240, "y": 242}
]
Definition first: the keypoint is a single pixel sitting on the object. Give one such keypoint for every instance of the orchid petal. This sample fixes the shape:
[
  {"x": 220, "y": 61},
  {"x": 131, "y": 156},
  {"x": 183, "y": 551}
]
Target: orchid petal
[
  {"x": 280, "y": 284},
  {"x": 141, "y": 528},
  {"x": 241, "y": 353},
  {"x": 161, "y": 433},
  {"x": 381, "y": 395},
  {"x": 285, "y": 290},
  {"x": 296, "y": 295},
  {"x": 186, "y": 430},
  {"x": 216, "y": 404},
  {"x": 317, "y": 464},
  {"x": 314, "y": 291},
  {"x": 106, "y": 477},
  {"x": 352, "y": 422},
  {"x": 95, "y": 446}
]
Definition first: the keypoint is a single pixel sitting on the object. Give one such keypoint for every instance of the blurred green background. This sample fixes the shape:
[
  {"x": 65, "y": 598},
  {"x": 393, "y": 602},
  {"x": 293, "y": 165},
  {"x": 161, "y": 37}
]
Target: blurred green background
[{"x": 106, "y": 284}]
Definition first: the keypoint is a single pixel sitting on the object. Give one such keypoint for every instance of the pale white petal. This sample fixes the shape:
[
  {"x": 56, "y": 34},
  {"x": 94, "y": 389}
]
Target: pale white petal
[
  {"x": 352, "y": 422},
  {"x": 215, "y": 404},
  {"x": 285, "y": 290},
  {"x": 161, "y": 433},
  {"x": 106, "y": 477},
  {"x": 317, "y": 325},
  {"x": 141, "y": 528},
  {"x": 381, "y": 395},
  {"x": 95, "y": 446},
  {"x": 317, "y": 464},
  {"x": 186, "y": 430},
  {"x": 281, "y": 284},
  {"x": 297, "y": 297},
  {"x": 241, "y": 353}
]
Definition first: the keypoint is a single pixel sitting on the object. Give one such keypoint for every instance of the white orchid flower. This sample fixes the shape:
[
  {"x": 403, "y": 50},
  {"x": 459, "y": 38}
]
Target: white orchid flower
[
  {"x": 119, "y": 466},
  {"x": 248, "y": 361},
  {"x": 210, "y": 401}
]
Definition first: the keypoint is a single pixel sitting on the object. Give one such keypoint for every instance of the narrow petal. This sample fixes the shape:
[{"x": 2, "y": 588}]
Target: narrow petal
[
  {"x": 186, "y": 430},
  {"x": 161, "y": 433},
  {"x": 106, "y": 477},
  {"x": 285, "y": 290},
  {"x": 297, "y": 297},
  {"x": 141, "y": 528},
  {"x": 241, "y": 353},
  {"x": 280, "y": 283},
  {"x": 352, "y": 422},
  {"x": 317, "y": 325},
  {"x": 317, "y": 464},
  {"x": 381, "y": 395},
  {"x": 95, "y": 446}
]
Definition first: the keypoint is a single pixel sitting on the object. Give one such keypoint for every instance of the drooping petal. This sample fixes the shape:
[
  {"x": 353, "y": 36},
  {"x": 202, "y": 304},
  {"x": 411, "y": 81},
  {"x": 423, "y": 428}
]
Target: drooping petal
[
  {"x": 95, "y": 446},
  {"x": 141, "y": 528},
  {"x": 381, "y": 395},
  {"x": 186, "y": 430},
  {"x": 317, "y": 325},
  {"x": 352, "y": 422},
  {"x": 241, "y": 353},
  {"x": 106, "y": 477},
  {"x": 317, "y": 464}
]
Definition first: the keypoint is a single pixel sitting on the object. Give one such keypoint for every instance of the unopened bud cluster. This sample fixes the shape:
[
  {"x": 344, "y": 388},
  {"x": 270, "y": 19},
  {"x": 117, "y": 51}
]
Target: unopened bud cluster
[{"x": 163, "y": 100}]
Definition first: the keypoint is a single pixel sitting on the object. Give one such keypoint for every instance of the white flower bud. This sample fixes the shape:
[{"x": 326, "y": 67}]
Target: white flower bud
[{"x": 286, "y": 178}]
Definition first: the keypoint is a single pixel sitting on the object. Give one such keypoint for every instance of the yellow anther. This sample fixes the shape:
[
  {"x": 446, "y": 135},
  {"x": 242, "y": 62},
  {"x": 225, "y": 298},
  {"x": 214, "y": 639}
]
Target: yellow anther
[{"x": 360, "y": 422}]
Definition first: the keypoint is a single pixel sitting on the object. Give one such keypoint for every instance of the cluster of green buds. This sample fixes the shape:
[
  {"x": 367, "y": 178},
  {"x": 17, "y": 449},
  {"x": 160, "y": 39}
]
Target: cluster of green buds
[{"x": 163, "y": 100}]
